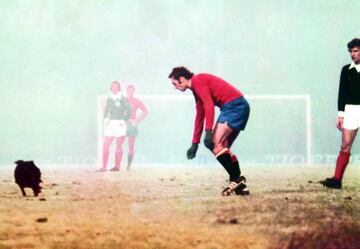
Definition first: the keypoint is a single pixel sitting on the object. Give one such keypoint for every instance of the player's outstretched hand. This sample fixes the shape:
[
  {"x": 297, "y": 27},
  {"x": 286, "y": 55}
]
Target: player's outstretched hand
[
  {"x": 208, "y": 140},
  {"x": 191, "y": 152}
]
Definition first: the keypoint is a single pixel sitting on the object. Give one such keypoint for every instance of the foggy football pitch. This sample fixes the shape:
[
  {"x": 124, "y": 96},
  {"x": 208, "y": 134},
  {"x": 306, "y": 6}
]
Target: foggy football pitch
[{"x": 180, "y": 207}]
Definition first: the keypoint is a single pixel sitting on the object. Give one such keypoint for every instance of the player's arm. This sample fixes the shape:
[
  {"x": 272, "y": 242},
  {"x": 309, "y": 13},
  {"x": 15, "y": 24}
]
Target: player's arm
[
  {"x": 208, "y": 106},
  {"x": 209, "y": 113},
  {"x": 199, "y": 122},
  {"x": 144, "y": 112},
  {"x": 198, "y": 127},
  {"x": 341, "y": 98}
]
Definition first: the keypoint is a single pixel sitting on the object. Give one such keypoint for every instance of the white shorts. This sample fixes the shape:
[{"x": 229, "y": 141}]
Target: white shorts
[
  {"x": 114, "y": 128},
  {"x": 351, "y": 117}
]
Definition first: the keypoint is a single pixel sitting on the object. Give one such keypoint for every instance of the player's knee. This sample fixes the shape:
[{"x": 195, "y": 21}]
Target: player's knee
[
  {"x": 217, "y": 148},
  {"x": 119, "y": 150},
  {"x": 346, "y": 147}
]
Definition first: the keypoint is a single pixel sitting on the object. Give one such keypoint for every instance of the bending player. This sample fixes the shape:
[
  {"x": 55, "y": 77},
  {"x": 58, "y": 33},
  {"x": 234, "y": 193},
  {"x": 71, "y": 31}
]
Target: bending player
[
  {"x": 210, "y": 90},
  {"x": 116, "y": 113},
  {"x": 348, "y": 120},
  {"x": 133, "y": 121}
]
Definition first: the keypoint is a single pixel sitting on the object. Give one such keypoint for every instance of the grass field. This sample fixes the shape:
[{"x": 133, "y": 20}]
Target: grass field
[{"x": 180, "y": 207}]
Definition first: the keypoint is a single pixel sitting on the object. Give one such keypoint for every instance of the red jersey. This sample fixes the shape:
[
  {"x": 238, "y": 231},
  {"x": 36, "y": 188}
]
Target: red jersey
[{"x": 209, "y": 91}]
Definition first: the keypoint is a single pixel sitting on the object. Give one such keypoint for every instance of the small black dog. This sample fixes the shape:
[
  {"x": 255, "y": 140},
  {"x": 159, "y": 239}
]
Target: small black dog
[{"x": 27, "y": 175}]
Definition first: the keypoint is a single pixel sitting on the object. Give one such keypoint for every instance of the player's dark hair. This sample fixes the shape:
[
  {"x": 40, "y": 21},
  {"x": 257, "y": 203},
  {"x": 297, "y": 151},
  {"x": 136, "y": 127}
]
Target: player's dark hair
[
  {"x": 177, "y": 72},
  {"x": 131, "y": 86},
  {"x": 353, "y": 43},
  {"x": 115, "y": 83}
]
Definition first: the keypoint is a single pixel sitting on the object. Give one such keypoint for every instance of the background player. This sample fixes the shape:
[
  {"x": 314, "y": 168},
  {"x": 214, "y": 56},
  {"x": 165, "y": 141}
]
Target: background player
[
  {"x": 348, "y": 120},
  {"x": 133, "y": 121},
  {"x": 210, "y": 91},
  {"x": 117, "y": 112}
]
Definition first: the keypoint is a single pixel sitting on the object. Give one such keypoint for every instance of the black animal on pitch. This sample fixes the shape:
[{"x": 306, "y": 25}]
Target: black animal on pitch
[{"x": 27, "y": 175}]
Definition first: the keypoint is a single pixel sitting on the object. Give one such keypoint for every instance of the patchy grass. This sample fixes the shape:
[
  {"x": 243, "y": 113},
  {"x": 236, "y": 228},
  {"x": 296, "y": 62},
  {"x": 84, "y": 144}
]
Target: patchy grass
[{"x": 180, "y": 208}]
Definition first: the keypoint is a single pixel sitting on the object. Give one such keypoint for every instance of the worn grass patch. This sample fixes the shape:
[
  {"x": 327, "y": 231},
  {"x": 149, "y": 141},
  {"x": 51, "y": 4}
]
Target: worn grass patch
[{"x": 180, "y": 208}]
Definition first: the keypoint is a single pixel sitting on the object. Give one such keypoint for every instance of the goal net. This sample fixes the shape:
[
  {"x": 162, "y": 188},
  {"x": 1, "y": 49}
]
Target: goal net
[{"x": 278, "y": 131}]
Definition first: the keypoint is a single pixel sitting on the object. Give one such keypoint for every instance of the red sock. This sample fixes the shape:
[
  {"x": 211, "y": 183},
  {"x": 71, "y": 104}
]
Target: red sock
[{"x": 341, "y": 163}]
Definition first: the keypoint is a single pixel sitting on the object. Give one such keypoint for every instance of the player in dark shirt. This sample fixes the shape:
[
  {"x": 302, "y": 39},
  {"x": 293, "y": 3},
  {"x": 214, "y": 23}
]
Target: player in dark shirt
[
  {"x": 348, "y": 120},
  {"x": 116, "y": 113}
]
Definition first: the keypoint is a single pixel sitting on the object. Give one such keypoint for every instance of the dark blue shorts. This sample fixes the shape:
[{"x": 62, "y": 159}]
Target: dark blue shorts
[{"x": 235, "y": 113}]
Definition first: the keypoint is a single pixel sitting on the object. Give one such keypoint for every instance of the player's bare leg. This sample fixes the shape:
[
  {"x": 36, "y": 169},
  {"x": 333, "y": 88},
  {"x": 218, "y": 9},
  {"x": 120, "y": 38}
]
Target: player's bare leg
[
  {"x": 118, "y": 153},
  {"x": 223, "y": 138},
  {"x": 348, "y": 137},
  {"x": 132, "y": 140},
  {"x": 106, "y": 151},
  {"x": 342, "y": 161},
  {"x": 233, "y": 135}
]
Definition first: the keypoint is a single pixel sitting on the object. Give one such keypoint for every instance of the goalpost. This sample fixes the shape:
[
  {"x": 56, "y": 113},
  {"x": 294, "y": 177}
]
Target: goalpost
[
  {"x": 304, "y": 98},
  {"x": 308, "y": 121}
]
